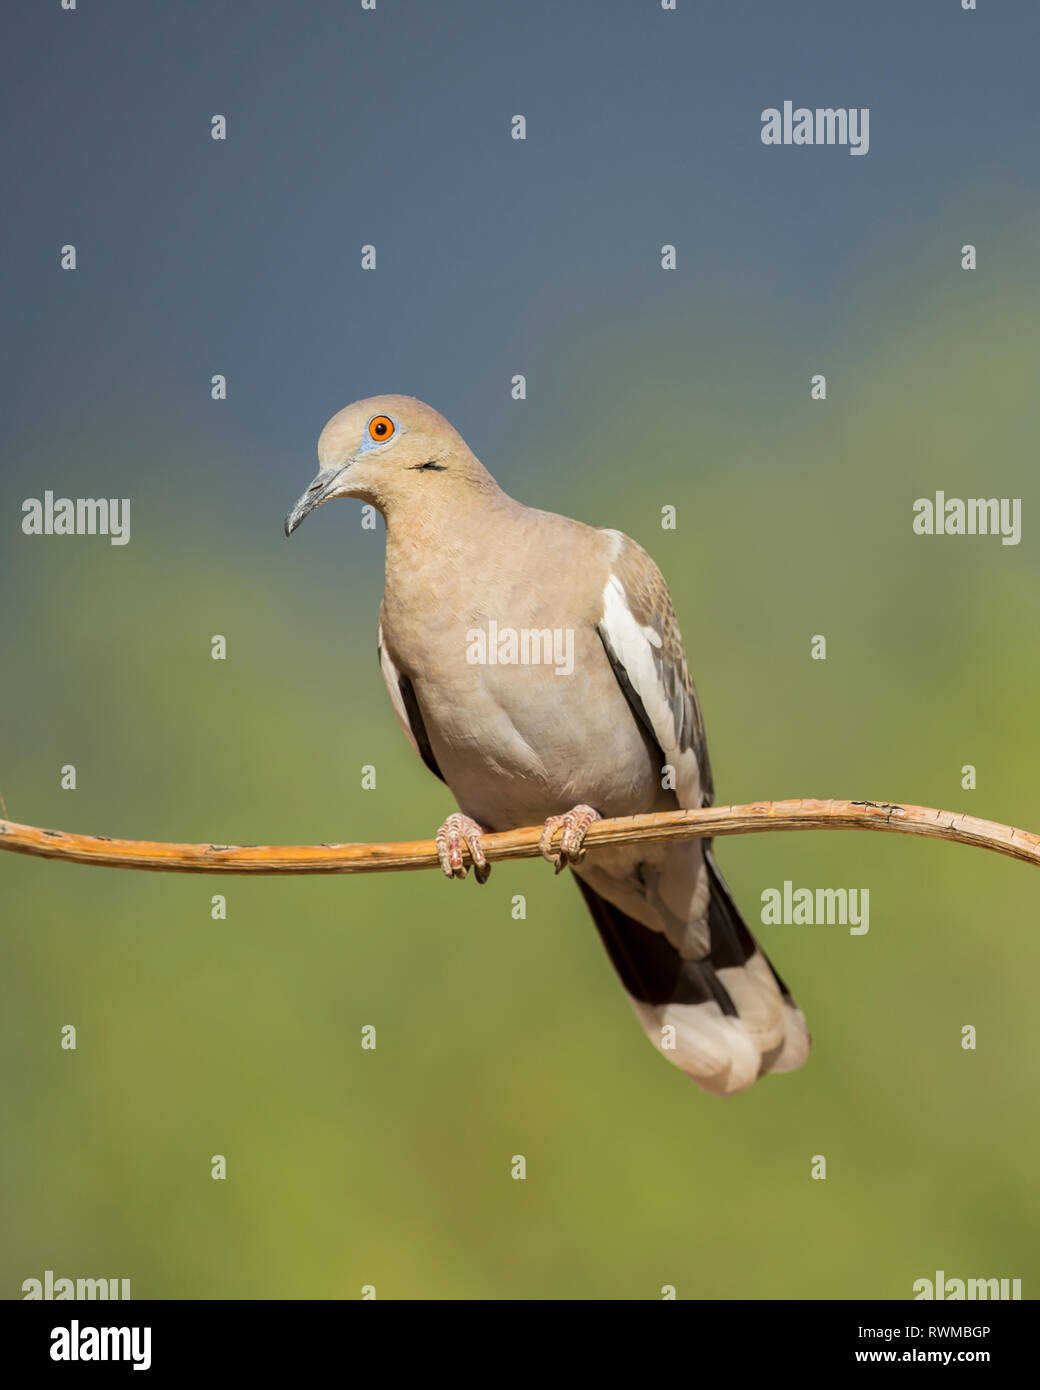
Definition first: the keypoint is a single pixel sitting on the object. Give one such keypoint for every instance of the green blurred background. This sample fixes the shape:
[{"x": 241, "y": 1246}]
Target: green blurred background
[{"x": 498, "y": 1037}]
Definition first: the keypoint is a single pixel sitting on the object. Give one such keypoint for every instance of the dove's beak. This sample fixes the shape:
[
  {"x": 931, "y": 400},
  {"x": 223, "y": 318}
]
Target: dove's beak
[{"x": 324, "y": 487}]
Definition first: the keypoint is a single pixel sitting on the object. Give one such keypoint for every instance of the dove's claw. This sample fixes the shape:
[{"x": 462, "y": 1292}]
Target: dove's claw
[
  {"x": 456, "y": 832},
  {"x": 575, "y": 826}
]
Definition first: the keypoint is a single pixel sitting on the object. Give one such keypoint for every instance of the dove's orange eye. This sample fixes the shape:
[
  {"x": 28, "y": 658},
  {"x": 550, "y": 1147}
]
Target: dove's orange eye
[{"x": 381, "y": 428}]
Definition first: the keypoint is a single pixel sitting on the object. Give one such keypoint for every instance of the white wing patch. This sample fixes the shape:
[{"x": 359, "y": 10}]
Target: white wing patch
[{"x": 635, "y": 647}]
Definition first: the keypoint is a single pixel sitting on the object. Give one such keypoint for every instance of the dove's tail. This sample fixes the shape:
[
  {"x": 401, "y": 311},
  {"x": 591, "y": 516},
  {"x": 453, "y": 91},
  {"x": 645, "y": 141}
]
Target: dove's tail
[{"x": 725, "y": 1019}]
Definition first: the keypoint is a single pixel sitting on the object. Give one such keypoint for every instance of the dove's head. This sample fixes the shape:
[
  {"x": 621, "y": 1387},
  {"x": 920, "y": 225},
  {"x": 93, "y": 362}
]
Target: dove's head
[{"x": 393, "y": 452}]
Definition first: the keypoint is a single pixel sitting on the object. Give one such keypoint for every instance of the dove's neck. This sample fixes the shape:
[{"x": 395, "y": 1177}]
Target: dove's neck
[{"x": 444, "y": 535}]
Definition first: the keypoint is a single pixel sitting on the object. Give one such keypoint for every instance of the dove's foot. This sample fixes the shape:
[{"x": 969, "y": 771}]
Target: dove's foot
[
  {"x": 575, "y": 827},
  {"x": 459, "y": 830}
]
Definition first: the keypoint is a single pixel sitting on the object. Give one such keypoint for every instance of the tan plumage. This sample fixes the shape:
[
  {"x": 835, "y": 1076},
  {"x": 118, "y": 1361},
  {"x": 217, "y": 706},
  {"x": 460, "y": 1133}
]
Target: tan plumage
[{"x": 620, "y": 731}]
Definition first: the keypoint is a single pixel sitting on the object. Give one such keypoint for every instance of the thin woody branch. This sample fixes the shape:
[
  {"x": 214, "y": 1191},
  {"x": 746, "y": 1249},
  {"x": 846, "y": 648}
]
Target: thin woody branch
[{"x": 753, "y": 818}]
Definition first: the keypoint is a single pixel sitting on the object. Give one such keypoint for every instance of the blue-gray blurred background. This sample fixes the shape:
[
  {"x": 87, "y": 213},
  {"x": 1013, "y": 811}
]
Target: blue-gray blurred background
[{"x": 645, "y": 388}]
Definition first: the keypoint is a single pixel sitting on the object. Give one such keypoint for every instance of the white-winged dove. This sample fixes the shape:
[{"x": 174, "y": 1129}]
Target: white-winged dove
[{"x": 536, "y": 666}]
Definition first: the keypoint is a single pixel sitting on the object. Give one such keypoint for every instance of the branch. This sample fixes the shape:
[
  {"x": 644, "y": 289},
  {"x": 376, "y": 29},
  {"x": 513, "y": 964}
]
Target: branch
[{"x": 520, "y": 844}]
